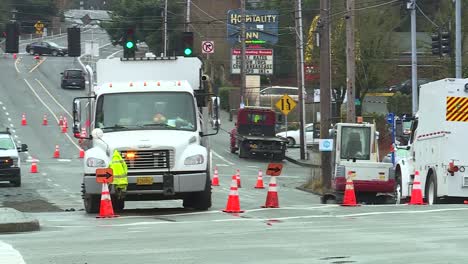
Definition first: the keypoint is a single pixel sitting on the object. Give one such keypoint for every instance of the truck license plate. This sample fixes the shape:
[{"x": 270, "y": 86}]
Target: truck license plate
[{"x": 144, "y": 180}]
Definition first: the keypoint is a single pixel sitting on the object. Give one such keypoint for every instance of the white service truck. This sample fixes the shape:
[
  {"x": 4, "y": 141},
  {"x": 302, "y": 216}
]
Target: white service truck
[
  {"x": 154, "y": 112},
  {"x": 356, "y": 155},
  {"x": 438, "y": 146}
]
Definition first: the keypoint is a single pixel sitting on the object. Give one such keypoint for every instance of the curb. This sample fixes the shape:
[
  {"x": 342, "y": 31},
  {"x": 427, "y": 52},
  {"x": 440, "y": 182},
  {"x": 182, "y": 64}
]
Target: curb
[
  {"x": 309, "y": 191},
  {"x": 300, "y": 163},
  {"x": 13, "y": 221},
  {"x": 28, "y": 226}
]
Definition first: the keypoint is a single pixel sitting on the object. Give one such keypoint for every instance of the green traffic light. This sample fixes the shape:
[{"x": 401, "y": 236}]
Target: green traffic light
[
  {"x": 129, "y": 45},
  {"x": 188, "y": 51}
]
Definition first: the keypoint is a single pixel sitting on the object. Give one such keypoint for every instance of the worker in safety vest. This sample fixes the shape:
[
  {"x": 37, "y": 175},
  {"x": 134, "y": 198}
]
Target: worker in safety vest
[{"x": 119, "y": 168}]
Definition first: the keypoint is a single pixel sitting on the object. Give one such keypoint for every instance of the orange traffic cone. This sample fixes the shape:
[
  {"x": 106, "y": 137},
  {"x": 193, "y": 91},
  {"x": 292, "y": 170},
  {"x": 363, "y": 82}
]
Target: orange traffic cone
[
  {"x": 233, "y": 203},
  {"x": 57, "y": 152},
  {"x": 44, "y": 120},
  {"x": 82, "y": 153},
  {"x": 260, "y": 180},
  {"x": 64, "y": 128},
  {"x": 34, "y": 167},
  {"x": 215, "y": 180},
  {"x": 238, "y": 178},
  {"x": 23, "y": 120},
  {"x": 106, "y": 210},
  {"x": 416, "y": 193},
  {"x": 349, "y": 198},
  {"x": 65, "y": 122},
  {"x": 60, "y": 121},
  {"x": 272, "y": 196}
]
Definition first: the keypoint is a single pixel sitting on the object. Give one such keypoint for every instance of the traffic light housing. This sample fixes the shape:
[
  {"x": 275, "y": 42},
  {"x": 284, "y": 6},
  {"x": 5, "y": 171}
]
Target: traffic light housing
[
  {"x": 12, "y": 38},
  {"x": 187, "y": 48},
  {"x": 436, "y": 48},
  {"x": 445, "y": 43},
  {"x": 129, "y": 43},
  {"x": 74, "y": 42}
]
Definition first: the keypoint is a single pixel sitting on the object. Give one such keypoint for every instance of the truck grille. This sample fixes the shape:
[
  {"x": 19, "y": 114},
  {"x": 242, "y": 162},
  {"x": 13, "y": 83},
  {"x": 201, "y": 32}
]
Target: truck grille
[
  {"x": 6, "y": 162},
  {"x": 149, "y": 159}
]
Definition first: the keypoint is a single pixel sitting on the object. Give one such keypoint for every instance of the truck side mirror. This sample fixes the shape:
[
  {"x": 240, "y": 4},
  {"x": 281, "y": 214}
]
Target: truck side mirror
[
  {"x": 215, "y": 106},
  {"x": 76, "y": 118}
]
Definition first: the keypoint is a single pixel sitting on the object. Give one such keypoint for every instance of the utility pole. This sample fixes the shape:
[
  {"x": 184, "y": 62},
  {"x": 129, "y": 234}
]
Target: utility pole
[
  {"x": 187, "y": 17},
  {"x": 242, "y": 69},
  {"x": 458, "y": 40},
  {"x": 411, "y": 5},
  {"x": 350, "y": 63},
  {"x": 300, "y": 77},
  {"x": 165, "y": 28},
  {"x": 325, "y": 90}
]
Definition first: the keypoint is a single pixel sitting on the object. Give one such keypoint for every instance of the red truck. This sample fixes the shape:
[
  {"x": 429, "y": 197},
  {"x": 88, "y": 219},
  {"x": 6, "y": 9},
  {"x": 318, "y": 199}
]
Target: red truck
[{"x": 255, "y": 135}]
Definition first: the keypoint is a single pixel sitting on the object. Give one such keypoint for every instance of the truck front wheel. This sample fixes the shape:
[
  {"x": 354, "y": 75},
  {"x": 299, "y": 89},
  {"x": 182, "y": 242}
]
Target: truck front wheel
[
  {"x": 200, "y": 200},
  {"x": 91, "y": 203},
  {"x": 431, "y": 190}
]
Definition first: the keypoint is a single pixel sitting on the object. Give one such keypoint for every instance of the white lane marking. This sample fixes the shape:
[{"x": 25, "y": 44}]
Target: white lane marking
[
  {"x": 4, "y": 108},
  {"x": 37, "y": 65},
  {"x": 255, "y": 167},
  {"x": 16, "y": 136},
  {"x": 11, "y": 125},
  {"x": 16, "y": 65},
  {"x": 14, "y": 131},
  {"x": 10, "y": 255},
  {"x": 222, "y": 158},
  {"x": 1, "y": 103},
  {"x": 9, "y": 119},
  {"x": 222, "y": 165},
  {"x": 19, "y": 141},
  {"x": 56, "y": 185},
  {"x": 53, "y": 98},
  {"x": 112, "y": 55},
  {"x": 49, "y": 179},
  {"x": 50, "y": 110},
  {"x": 64, "y": 160}
]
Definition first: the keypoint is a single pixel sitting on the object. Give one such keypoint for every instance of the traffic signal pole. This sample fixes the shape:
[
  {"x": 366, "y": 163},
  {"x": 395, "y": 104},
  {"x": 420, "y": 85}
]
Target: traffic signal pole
[
  {"x": 350, "y": 64},
  {"x": 414, "y": 60},
  {"x": 242, "y": 60}
]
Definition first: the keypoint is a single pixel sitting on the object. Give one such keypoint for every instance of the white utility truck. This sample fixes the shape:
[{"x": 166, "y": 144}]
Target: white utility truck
[
  {"x": 438, "y": 146},
  {"x": 356, "y": 155},
  {"x": 154, "y": 111}
]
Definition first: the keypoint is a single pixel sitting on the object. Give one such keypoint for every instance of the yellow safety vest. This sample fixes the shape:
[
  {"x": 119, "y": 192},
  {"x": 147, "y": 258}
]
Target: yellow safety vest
[{"x": 119, "y": 168}]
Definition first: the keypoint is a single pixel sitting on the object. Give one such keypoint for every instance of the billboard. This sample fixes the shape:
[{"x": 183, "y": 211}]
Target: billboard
[
  {"x": 259, "y": 25},
  {"x": 257, "y": 61}
]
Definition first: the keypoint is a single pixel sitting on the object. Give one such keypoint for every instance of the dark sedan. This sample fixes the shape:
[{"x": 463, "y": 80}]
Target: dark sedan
[
  {"x": 73, "y": 78},
  {"x": 46, "y": 47}
]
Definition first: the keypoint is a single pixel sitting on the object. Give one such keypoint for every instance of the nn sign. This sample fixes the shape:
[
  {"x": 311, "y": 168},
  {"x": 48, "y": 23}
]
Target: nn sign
[{"x": 260, "y": 25}]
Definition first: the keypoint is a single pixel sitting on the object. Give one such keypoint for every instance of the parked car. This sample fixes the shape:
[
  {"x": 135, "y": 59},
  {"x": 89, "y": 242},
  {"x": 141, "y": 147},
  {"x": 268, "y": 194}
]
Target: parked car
[
  {"x": 312, "y": 135},
  {"x": 405, "y": 87},
  {"x": 73, "y": 78},
  {"x": 270, "y": 95},
  {"x": 46, "y": 47},
  {"x": 10, "y": 164}
]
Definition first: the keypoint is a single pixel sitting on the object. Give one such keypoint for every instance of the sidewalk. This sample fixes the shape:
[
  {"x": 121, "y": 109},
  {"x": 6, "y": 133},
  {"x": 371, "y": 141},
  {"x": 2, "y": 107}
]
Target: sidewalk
[
  {"x": 312, "y": 158},
  {"x": 12, "y": 221}
]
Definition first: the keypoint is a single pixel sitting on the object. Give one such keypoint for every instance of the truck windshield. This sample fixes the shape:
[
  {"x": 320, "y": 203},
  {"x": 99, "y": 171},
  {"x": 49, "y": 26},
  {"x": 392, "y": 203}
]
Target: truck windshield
[
  {"x": 355, "y": 143},
  {"x": 6, "y": 143},
  {"x": 148, "y": 110}
]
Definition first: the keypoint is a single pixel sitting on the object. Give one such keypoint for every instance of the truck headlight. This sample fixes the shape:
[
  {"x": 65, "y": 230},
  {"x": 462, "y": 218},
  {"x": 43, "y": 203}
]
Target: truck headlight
[
  {"x": 194, "y": 160},
  {"x": 93, "y": 162}
]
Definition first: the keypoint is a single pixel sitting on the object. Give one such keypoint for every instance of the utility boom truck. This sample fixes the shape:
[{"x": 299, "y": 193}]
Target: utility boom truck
[
  {"x": 438, "y": 148},
  {"x": 356, "y": 155},
  {"x": 154, "y": 112}
]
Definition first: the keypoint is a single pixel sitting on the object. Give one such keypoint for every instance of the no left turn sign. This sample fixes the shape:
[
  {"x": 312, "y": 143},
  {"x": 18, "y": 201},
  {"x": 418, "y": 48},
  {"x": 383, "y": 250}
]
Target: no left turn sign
[{"x": 208, "y": 46}]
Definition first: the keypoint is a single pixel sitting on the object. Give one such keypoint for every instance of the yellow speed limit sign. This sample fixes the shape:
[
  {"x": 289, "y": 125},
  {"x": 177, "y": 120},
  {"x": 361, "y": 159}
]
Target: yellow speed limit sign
[{"x": 285, "y": 104}]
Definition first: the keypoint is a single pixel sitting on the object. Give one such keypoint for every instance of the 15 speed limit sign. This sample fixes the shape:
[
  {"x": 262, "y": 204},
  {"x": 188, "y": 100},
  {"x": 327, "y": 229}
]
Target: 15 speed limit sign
[{"x": 208, "y": 46}]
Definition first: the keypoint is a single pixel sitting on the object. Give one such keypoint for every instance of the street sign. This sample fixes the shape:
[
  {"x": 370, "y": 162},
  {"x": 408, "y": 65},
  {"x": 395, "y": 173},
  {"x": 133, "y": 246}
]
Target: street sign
[
  {"x": 257, "y": 61},
  {"x": 325, "y": 144},
  {"x": 285, "y": 104},
  {"x": 390, "y": 118},
  {"x": 208, "y": 47},
  {"x": 104, "y": 175},
  {"x": 39, "y": 26},
  {"x": 274, "y": 169}
]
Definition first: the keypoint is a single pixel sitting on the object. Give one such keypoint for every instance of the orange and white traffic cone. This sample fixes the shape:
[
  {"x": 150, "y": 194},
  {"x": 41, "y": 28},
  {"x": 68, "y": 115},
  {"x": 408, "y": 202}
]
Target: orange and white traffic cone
[
  {"x": 57, "y": 152},
  {"x": 44, "y": 120},
  {"x": 215, "y": 180},
  {"x": 272, "y": 196},
  {"x": 60, "y": 121},
  {"x": 416, "y": 193},
  {"x": 33, "y": 167},
  {"x": 259, "y": 180},
  {"x": 349, "y": 198},
  {"x": 64, "y": 128},
  {"x": 106, "y": 210},
  {"x": 23, "y": 120},
  {"x": 238, "y": 178},
  {"x": 233, "y": 203},
  {"x": 81, "y": 153},
  {"x": 65, "y": 122}
]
